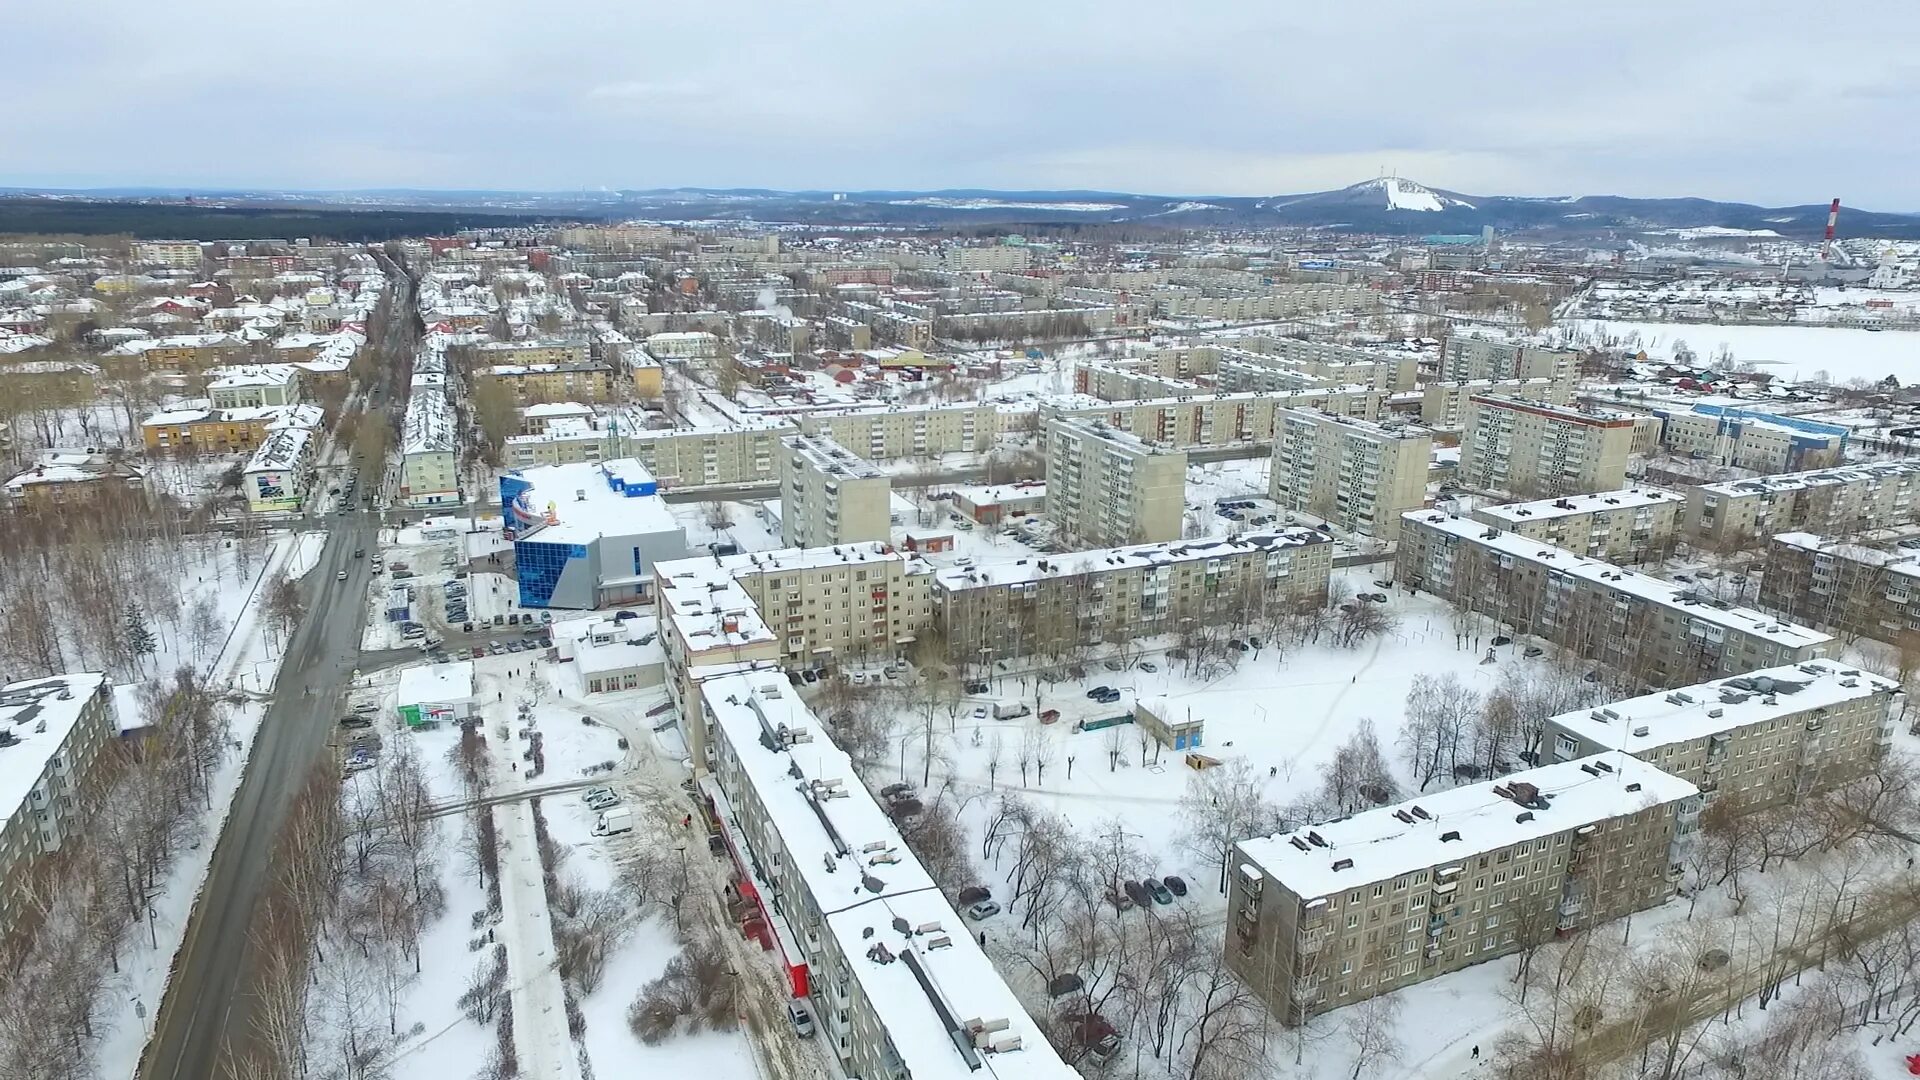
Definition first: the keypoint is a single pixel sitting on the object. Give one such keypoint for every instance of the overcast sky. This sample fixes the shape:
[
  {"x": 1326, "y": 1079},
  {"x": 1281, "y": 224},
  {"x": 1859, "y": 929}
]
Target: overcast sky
[{"x": 1764, "y": 102}]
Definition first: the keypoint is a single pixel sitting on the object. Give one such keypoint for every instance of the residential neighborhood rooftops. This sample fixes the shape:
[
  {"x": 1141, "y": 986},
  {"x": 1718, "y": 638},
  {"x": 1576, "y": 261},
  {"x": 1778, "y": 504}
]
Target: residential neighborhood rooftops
[
  {"x": 281, "y": 449},
  {"x": 822, "y": 454},
  {"x": 429, "y": 425},
  {"x": 1842, "y": 474},
  {"x": 1665, "y": 717},
  {"x": 1460, "y": 823}
]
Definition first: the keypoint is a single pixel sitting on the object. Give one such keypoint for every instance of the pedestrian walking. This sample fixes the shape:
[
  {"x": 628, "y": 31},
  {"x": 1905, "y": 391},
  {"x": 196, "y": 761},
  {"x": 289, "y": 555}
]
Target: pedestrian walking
[{"x": 1476, "y": 1051}]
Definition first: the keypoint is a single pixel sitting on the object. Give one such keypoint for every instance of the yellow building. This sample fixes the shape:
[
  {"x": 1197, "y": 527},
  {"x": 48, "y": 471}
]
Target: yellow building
[
  {"x": 207, "y": 430},
  {"x": 646, "y": 374},
  {"x": 551, "y": 382}
]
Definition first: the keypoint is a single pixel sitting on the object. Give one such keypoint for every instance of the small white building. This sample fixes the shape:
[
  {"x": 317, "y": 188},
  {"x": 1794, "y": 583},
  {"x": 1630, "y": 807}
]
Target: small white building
[{"x": 433, "y": 694}]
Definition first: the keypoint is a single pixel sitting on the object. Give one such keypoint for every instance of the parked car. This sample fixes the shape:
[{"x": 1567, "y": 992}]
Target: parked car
[
  {"x": 1533, "y": 651},
  {"x": 1176, "y": 884},
  {"x": 1061, "y": 985},
  {"x": 809, "y": 677},
  {"x": 357, "y": 720},
  {"x": 1137, "y": 893},
  {"x": 977, "y": 686},
  {"x": 614, "y": 822},
  {"x": 1098, "y": 692},
  {"x": 973, "y": 894},
  {"x": 1502, "y": 639},
  {"x": 466, "y": 627},
  {"x": 1113, "y": 665},
  {"x": 478, "y": 651},
  {"x": 601, "y": 799},
  {"x": 801, "y": 1019},
  {"x": 1149, "y": 666},
  {"x": 1161, "y": 894},
  {"x": 984, "y": 909}
]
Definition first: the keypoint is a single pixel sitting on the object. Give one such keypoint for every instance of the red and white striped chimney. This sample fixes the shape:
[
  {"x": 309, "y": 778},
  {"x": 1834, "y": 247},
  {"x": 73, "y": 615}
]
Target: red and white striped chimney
[{"x": 1833, "y": 218}]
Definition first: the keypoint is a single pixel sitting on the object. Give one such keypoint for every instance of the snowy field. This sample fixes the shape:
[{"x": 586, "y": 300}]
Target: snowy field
[{"x": 1788, "y": 352}]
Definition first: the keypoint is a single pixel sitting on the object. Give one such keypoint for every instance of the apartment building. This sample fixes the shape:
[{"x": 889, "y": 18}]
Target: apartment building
[
  {"x": 744, "y": 453},
  {"x": 683, "y": 345},
  {"x": 973, "y": 260},
  {"x": 561, "y": 442},
  {"x": 1875, "y": 495},
  {"x": 48, "y": 382},
  {"x": 1106, "y": 487},
  {"x": 899, "y": 985},
  {"x": 429, "y": 474},
  {"x": 796, "y": 610},
  {"x": 190, "y": 353},
  {"x": 1121, "y": 594},
  {"x": 1443, "y": 405},
  {"x": 279, "y": 475},
  {"x": 1117, "y": 382},
  {"x": 587, "y": 382},
  {"x": 1631, "y": 525},
  {"x": 1659, "y": 632},
  {"x": 533, "y": 353},
  {"x": 1848, "y": 587},
  {"x": 1535, "y": 448},
  {"x": 908, "y": 431},
  {"x": 58, "y": 481},
  {"x": 829, "y": 495},
  {"x": 1760, "y": 738},
  {"x": 1377, "y": 368},
  {"x": 1280, "y": 300},
  {"x": 1332, "y": 914},
  {"x": 203, "y": 429},
  {"x": 1356, "y": 474},
  {"x": 1750, "y": 439},
  {"x": 535, "y": 418},
  {"x": 253, "y": 387},
  {"x": 1471, "y": 356},
  {"x": 1213, "y": 419},
  {"x": 53, "y": 732},
  {"x": 179, "y": 254}
]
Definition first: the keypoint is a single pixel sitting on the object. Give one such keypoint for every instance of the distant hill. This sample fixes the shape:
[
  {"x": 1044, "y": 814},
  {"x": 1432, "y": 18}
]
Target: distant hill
[{"x": 1388, "y": 205}]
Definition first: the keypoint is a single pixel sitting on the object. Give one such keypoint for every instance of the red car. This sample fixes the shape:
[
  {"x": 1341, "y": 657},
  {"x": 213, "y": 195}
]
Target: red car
[{"x": 478, "y": 652}]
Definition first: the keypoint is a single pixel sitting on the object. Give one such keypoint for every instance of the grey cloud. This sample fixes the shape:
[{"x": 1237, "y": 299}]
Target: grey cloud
[{"x": 1767, "y": 102}]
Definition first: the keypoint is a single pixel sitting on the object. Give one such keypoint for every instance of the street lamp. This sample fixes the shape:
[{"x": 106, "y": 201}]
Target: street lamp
[{"x": 680, "y": 886}]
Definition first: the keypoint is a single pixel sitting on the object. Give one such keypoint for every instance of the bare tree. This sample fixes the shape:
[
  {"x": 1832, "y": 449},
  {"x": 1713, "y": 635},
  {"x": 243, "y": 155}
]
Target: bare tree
[{"x": 1222, "y": 806}]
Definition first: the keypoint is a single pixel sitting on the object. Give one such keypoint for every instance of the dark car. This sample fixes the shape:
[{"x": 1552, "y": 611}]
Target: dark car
[
  {"x": 973, "y": 894},
  {"x": 809, "y": 677},
  {"x": 622, "y": 616},
  {"x": 1099, "y": 692},
  {"x": 1138, "y": 893},
  {"x": 977, "y": 687},
  {"x": 1176, "y": 884},
  {"x": 1502, "y": 639},
  {"x": 466, "y": 628},
  {"x": 356, "y": 721}
]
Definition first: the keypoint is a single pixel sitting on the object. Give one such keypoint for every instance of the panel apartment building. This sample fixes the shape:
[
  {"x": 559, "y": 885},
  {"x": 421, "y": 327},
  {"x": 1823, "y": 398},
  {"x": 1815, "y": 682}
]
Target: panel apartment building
[
  {"x": 1378, "y": 368},
  {"x": 745, "y": 453},
  {"x": 429, "y": 474},
  {"x": 1535, "y": 449},
  {"x": 1761, "y": 738},
  {"x": 1106, "y": 487},
  {"x": 1631, "y": 525},
  {"x": 900, "y": 987},
  {"x": 1851, "y": 588},
  {"x": 1336, "y": 913},
  {"x": 1874, "y": 495},
  {"x": 829, "y": 495},
  {"x": 889, "y": 432},
  {"x": 1443, "y": 405},
  {"x": 1121, "y": 594},
  {"x": 1214, "y": 419},
  {"x": 1662, "y": 633},
  {"x": 1357, "y": 474},
  {"x": 797, "y": 610},
  {"x": 1470, "y": 356},
  {"x": 53, "y": 732}
]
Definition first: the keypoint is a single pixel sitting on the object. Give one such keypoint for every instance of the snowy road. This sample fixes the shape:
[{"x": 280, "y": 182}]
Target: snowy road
[{"x": 540, "y": 1035}]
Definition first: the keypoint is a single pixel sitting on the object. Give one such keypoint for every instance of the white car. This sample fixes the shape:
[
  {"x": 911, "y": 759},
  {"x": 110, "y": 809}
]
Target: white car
[
  {"x": 601, "y": 799},
  {"x": 341, "y": 576}
]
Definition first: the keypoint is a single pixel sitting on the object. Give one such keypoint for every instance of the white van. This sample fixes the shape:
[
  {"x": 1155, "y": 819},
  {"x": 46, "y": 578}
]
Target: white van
[{"x": 614, "y": 822}]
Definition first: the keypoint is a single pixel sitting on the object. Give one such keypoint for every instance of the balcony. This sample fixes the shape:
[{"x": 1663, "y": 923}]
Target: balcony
[
  {"x": 1571, "y": 906},
  {"x": 1311, "y": 943}
]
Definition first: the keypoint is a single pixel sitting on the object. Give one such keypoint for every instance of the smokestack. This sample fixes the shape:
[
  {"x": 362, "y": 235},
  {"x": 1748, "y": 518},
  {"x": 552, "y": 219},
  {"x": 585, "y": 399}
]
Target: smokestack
[{"x": 1833, "y": 218}]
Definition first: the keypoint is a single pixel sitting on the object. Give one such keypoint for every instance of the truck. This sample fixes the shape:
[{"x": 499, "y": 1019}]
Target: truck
[
  {"x": 614, "y": 822},
  {"x": 1009, "y": 710},
  {"x": 1104, "y": 722}
]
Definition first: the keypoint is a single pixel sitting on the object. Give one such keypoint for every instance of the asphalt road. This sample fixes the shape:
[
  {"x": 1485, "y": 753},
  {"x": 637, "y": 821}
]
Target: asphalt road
[{"x": 204, "y": 1010}]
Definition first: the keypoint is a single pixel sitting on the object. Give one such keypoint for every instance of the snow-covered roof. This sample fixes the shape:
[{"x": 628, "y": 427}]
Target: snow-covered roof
[
  {"x": 592, "y": 499},
  {"x": 556, "y": 408},
  {"x": 280, "y": 450},
  {"x": 429, "y": 423},
  {"x": 1460, "y": 823},
  {"x": 238, "y": 377},
  {"x": 175, "y": 341},
  {"x": 989, "y": 494},
  {"x": 541, "y": 369},
  {"x": 1843, "y": 474},
  {"x": 823, "y": 455},
  {"x": 1902, "y": 562},
  {"x": 1545, "y": 509},
  {"x": 922, "y": 983},
  {"x": 436, "y": 684},
  {"x": 201, "y": 411},
  {"x": 1665, "y": 717},
  {"x": 1102, "y": 560},
  {"x": 1682, "y": 598},
  {"x": 40, "y": 713}
]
